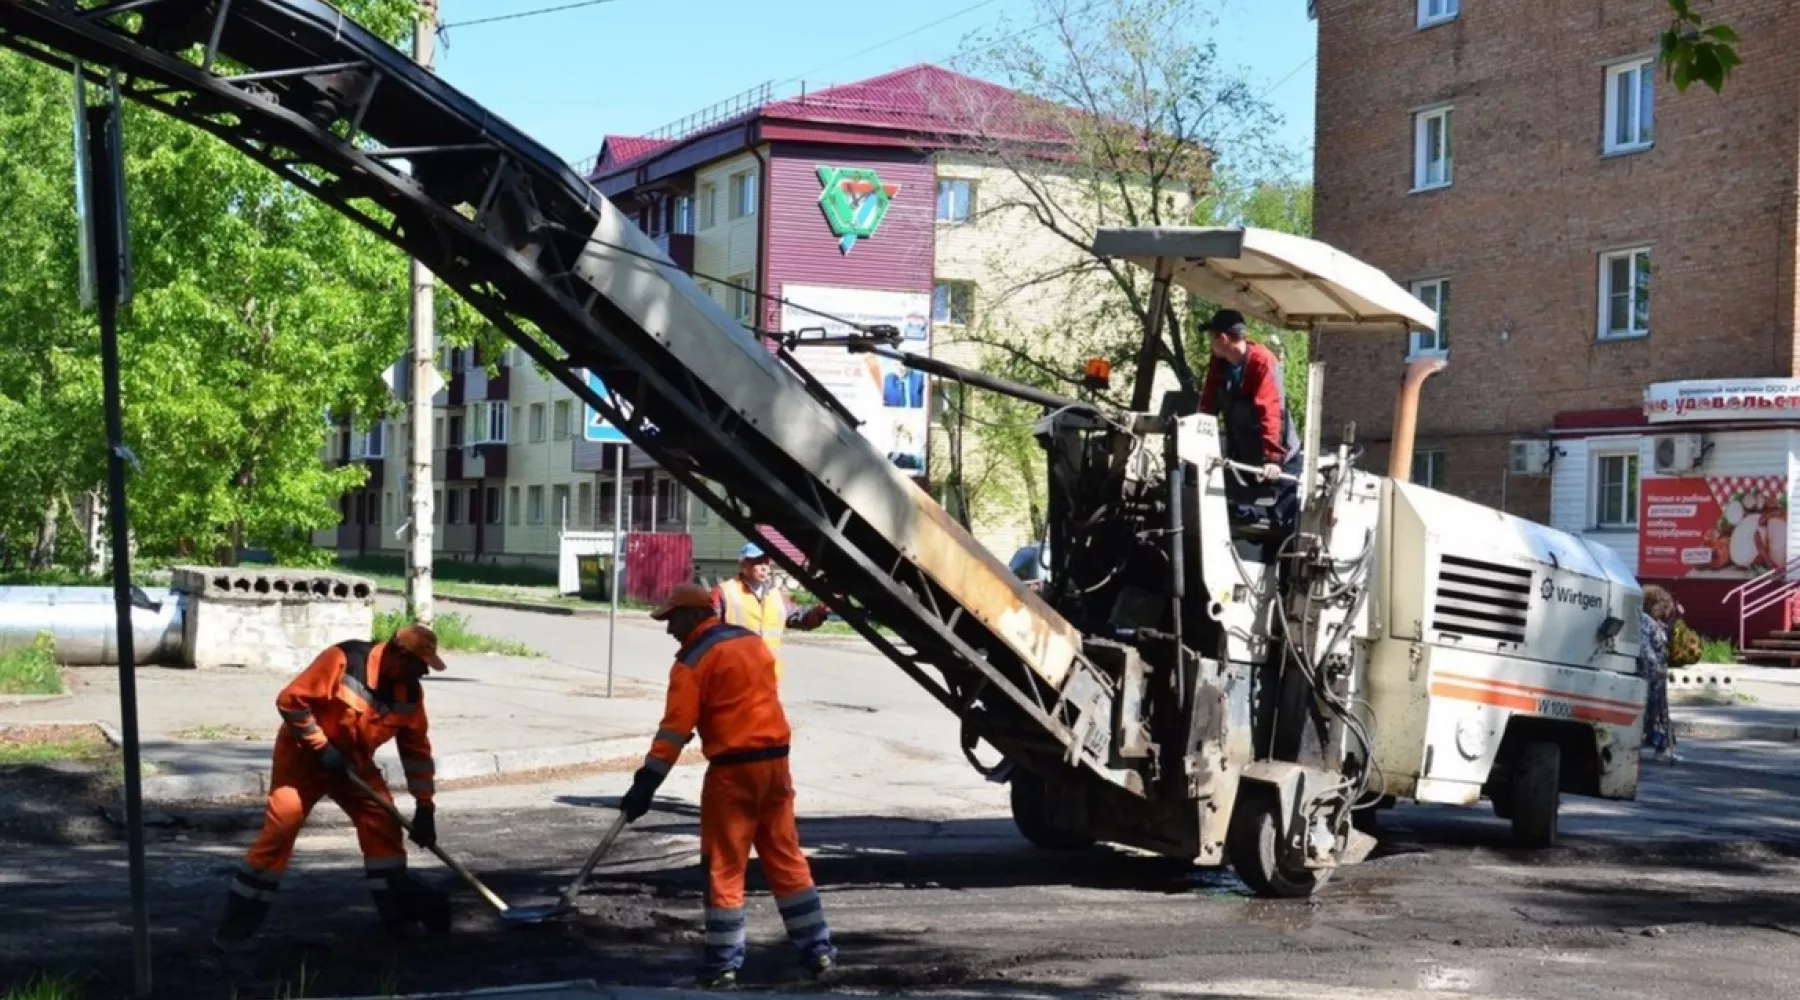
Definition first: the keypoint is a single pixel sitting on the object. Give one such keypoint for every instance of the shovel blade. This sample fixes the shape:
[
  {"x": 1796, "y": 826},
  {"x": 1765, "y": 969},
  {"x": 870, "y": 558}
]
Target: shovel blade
[{"x": 533, "y": 914}]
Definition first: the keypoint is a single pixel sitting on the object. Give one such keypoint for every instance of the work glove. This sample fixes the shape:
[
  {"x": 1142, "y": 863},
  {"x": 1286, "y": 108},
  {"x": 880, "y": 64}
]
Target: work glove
[
  {"x": 424, "y": 825},
  {"x": 332, "y": 759},
  {"x": 643, "y": 788},
  {"x": 815, "y": 616}
]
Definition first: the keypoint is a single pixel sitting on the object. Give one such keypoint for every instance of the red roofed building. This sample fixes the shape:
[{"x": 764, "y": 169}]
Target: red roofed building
[{"x": 863, "y": 203}]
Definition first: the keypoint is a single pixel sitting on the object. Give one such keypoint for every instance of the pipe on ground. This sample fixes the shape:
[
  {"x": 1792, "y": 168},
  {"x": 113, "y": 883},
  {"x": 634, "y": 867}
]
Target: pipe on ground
[
  {"x": 84, "y": 624},
  {"x": 1406, "y": 416}
]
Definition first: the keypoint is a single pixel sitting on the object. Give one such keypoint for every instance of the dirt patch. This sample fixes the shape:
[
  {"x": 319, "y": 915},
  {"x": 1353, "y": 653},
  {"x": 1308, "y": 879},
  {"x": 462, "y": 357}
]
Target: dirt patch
[
  {"x": 55, "y": 782},
  {"x": 223, "y": 733}
]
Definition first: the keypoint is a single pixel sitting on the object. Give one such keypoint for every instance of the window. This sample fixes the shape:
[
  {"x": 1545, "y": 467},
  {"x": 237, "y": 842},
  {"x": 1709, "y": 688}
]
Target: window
[
  {"x": 584, "y": 505},
  {"x": 456, "y": 432},
  {"x": 743, "y": 298},
  {"x": 371, "y": 443},
  {"x": 709, "y": 199},
  {"x": 559, "y": 505},
  {"x": 952, "y": 303},
  {"x": 387, "y": 507},
  {"x": 560, "y": 424},
  {"x": 743, "y": 195},
  {"x": 458, "y": 360},
  {"x": 955, "y": 200},
  {"x": 1437, "y": 11},
  {"x": 1436, "y": 294},
  {"x": 493, "y": 505},
  {"x": 669, "y": 499},
  {"x": 453, "y": 513},
  {"x": 518, "y": 415},
  {"x": 437, "y": 506},
  {"x": 437, "y": 432},
  {"x": 684, "y": 214},
  {"x": 1616, "y": 490},
  {"x": 512, "y": 506},
  {"x": 1428, "y": 469},
  {"x": 474, "y": 505},
  {"x": 534, "y": 510},
  {"x": 487, "y": 423},
  {"x": 1431, "y": 150},
  {"x": 537, "y": 421},
  {"x": 1630, "y": 106},
  {"x": 607, "y": 502},
  {"x": 1625, "y": 294}
]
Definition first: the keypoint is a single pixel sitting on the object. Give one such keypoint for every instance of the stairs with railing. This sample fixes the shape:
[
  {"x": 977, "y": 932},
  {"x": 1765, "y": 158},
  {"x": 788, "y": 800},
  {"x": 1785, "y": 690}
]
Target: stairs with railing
[{"x": 1775, "y": 588}]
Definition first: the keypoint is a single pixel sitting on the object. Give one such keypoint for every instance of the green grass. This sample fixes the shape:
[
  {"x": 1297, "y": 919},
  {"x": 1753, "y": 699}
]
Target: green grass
[
  {"x": 32, "y": 669},
  {"x": 453, "y": 634},
  {"x": 1717, "y": 651},
  {"x": 26, "y": 746},
  {"x": 44, "y": 987}
]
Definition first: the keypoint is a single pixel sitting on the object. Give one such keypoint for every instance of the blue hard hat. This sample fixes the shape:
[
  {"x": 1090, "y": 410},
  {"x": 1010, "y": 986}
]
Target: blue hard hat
[{"x": 751, "y": 550}]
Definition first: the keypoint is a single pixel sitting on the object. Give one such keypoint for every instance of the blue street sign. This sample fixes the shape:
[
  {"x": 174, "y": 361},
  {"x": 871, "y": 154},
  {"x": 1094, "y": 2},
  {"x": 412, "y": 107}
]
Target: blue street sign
[{"x": 594, "y": 426}]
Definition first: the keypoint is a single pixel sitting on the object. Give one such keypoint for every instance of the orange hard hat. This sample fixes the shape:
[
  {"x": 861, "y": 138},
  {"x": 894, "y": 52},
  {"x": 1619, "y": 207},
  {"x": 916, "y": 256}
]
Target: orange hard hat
[
  {"x": 420, "y": 642},
  {"x": 685, "y": 595}
]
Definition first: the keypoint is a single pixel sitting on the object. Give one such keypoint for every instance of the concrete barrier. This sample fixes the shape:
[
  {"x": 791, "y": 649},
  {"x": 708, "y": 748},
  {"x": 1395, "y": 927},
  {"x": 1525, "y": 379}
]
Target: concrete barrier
[{"x": 270, "y": 619}]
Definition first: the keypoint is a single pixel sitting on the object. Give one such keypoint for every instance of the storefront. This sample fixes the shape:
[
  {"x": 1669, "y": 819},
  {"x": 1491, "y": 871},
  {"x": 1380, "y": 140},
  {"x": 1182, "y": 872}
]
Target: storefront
[{"x": 1692, "y": 490}]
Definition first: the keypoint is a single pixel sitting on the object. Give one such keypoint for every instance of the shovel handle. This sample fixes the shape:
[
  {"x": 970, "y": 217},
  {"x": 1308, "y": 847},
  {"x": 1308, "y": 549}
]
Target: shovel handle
[
  {"x": 467, "y": 876},
  {"x": 587, "y": 868}
]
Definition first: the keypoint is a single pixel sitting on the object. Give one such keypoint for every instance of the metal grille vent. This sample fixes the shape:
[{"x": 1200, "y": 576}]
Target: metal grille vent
[{"x": 1481, "y": 600}]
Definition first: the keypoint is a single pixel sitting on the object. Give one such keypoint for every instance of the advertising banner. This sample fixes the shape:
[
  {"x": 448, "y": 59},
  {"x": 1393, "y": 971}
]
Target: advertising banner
[
  {"x": 889, "y": 399},
  {"x": 1722, "y": 399},
  {"x": 1712, "y": 527}
]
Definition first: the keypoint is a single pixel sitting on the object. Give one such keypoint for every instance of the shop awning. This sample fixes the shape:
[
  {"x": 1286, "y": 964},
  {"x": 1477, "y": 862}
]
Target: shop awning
[{"x": 1288, "y": 281}]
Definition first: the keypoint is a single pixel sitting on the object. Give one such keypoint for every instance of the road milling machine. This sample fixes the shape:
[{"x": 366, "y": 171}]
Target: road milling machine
[{"x": 1185, "y": 683}]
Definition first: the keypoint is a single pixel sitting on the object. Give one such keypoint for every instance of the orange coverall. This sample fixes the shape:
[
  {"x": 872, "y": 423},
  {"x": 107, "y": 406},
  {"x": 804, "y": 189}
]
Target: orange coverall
[
  {"x": 723, "y": 684},
  {"x": 342, "y": 698}
]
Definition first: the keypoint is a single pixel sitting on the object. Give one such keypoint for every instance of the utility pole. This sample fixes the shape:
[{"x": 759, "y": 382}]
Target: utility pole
[{"x": 424, "y": 351}]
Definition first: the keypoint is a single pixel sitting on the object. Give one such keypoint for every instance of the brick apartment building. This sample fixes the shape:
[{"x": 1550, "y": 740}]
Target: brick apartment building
[{"x": 1614, "y": 263}]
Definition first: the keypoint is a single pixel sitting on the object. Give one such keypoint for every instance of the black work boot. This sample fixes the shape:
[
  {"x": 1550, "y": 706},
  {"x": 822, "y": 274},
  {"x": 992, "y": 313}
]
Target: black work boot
[
  {"x": 389, "y": 893},
  {"x": 243, "y": 917},
  {"x": 424, "y": 903}
]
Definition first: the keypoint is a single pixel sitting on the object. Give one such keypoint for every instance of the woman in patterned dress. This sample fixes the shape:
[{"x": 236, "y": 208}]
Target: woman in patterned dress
[{"x": 1653, "y": 666}]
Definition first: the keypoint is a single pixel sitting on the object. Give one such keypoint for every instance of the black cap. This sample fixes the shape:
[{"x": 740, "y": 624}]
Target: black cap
[{"x": 1227, "y": 321}]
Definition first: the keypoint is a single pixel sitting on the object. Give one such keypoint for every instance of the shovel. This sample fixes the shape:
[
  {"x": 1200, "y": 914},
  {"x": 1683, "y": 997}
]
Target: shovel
[
  {"x": 508, "y": 914},
  {"x": 566, "y": 902}
]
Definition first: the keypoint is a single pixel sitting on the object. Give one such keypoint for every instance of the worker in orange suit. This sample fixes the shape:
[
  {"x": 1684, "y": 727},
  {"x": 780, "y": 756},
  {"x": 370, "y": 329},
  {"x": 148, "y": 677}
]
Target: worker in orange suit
[
  {"x": 354, "y": 698},
  {"x": 754, "y": 600},
  {"x": 723, "y": 684}
]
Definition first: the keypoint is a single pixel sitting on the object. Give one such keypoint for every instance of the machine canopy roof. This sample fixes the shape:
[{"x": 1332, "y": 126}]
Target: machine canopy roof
[{"x": 1289, "y": 281}]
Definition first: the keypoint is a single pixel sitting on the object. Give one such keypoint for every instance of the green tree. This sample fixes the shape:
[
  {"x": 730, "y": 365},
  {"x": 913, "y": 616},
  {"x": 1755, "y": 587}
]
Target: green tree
[
  {"x": 256, "y": 310},
  {"x": 1693, "y": 50}
]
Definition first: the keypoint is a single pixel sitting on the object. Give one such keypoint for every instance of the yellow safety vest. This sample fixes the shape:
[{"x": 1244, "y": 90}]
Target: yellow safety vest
[{"x": 766, "y": 617}]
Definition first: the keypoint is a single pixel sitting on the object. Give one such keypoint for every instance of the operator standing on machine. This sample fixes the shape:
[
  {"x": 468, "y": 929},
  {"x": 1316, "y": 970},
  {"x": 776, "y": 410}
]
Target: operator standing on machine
[{"x": 1244, "y": 388}]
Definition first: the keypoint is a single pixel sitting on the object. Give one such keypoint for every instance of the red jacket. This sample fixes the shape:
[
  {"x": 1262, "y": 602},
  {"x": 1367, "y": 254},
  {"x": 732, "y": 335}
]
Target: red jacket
[{"x": 1262, "y": 388}]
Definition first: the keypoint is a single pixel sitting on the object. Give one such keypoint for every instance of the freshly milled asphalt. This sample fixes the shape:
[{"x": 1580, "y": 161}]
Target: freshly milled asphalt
[{"x": 1693, "y": 891}]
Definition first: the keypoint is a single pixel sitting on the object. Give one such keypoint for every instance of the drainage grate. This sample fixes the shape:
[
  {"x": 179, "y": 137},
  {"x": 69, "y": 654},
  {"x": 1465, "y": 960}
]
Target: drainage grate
[{"x": 1481, "y": 600}]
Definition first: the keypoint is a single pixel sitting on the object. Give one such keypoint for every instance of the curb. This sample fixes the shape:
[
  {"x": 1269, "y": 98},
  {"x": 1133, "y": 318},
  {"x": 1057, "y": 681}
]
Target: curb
[
  {"x": 1705, "y": 730},
  {"x": 22, "y": 700},
  {"x": 533, "y": 607},
  {"x": 174, "y": 788}
]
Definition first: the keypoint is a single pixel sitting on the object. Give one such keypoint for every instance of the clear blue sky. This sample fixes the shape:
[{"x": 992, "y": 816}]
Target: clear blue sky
[{"x": 630, "y": 66}]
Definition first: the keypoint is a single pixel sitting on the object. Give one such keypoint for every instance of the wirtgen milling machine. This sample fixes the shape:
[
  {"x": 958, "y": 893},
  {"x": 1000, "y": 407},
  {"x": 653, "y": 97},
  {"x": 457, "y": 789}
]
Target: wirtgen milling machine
[{"x": 1169, "y": 690}]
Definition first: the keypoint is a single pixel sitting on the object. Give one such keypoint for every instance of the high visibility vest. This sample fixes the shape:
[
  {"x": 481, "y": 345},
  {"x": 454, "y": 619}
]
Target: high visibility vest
[{"x": 766, "y": 617}]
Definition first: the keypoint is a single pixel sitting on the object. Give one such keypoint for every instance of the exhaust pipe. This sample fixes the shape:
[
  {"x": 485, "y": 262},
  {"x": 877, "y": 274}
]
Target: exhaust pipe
[{"x": 1406, "y": 416}]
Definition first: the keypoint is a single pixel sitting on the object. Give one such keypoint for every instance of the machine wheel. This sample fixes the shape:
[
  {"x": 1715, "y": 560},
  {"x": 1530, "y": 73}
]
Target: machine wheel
[
  {"x": 1536, "y": 794},
  {"x": 1253, "y": 845},
  {"x": 1031, "y": 815},
  {"x": 1502, "y": 803}
]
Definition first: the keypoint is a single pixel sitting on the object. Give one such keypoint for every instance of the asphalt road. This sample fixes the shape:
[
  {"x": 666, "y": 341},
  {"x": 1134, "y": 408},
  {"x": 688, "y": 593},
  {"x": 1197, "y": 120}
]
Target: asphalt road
[{"x": 1693, "y": 891}]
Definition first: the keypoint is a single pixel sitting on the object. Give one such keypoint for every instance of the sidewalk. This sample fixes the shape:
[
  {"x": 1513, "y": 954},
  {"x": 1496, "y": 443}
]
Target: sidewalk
[{"x": 209, "y": 734}]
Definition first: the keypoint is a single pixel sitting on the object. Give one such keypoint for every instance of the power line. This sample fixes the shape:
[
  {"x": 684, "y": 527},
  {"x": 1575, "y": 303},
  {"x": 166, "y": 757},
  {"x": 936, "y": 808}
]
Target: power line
[
  {"x": 526, "y": 13},
  {"x": 882, "y": 45},
  {"x": 1278, "y": 84},
  {"x": 1046, "y": 22}
]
